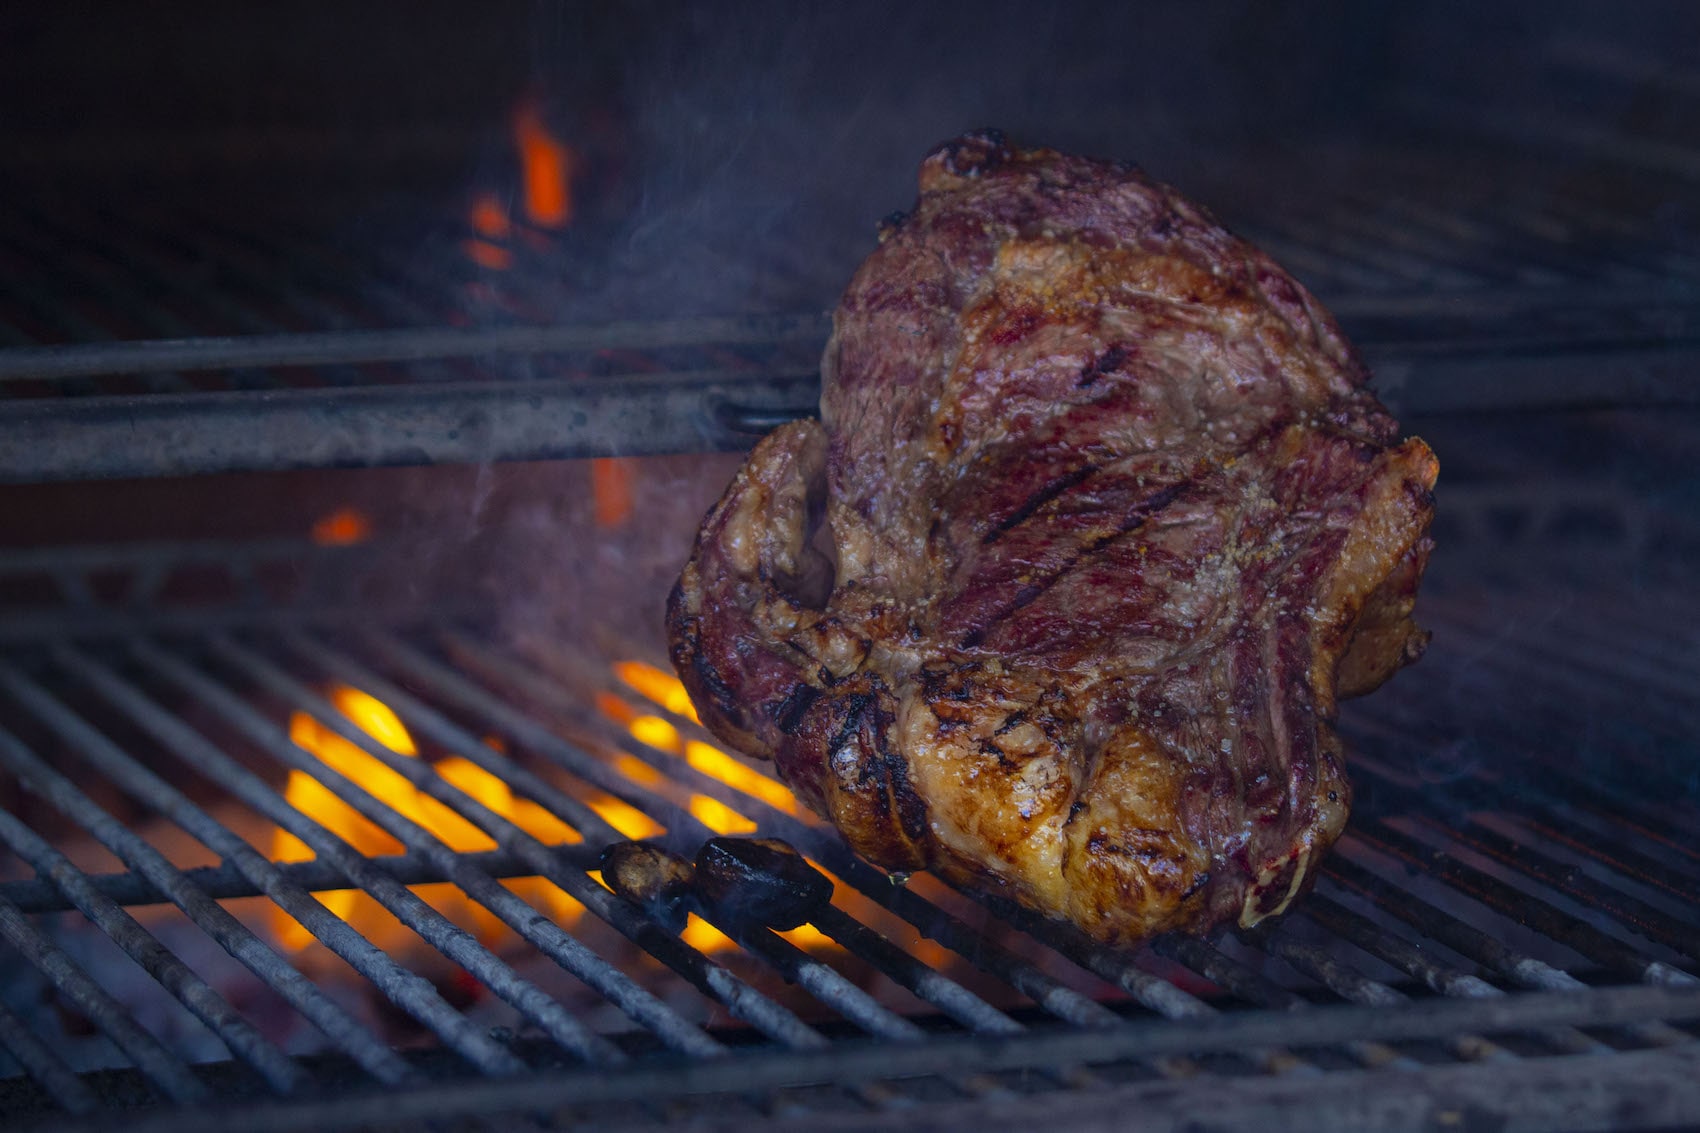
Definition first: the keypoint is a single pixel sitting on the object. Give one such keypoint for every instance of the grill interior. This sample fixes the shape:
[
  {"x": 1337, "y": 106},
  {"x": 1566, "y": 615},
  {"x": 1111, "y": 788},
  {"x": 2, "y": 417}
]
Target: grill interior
[
  {"x": 303, "y": 830},
  {"x": 1513, "y": 912}
]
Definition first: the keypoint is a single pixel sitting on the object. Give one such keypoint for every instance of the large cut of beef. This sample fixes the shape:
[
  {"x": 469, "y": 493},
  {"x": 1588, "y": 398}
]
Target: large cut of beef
[{"x": 1059, "y": 595}]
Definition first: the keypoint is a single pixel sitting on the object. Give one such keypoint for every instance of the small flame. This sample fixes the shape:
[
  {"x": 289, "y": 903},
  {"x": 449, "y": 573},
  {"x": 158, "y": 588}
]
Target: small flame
[
  {"x": 657, "y": 685},
  {"x": 391, "y": 788},
  {"x": 548, "y": 164},
  {"x": 488, "y": 255},
  {"x": 342, "y": 528},
  {"x": 611, "y": 490},
  {"x": 490, "y": 217}
]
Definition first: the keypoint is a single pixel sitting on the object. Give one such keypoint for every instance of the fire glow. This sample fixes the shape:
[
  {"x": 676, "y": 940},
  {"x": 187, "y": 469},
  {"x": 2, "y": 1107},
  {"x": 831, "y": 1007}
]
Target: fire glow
[{"x": 392, "y": 789}]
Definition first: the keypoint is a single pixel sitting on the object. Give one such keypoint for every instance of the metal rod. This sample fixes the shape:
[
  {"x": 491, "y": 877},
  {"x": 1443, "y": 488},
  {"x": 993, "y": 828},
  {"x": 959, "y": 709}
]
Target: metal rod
[
  {"x": 46, "y": 1068},
  {"x": 1573, "y": 933},
  {"x": 436, "y": 930},
  {"x": 1413, "y": 961},
  {"x": 408, "y": 991},
  {"x": 376, "y": 426},
  {"x": 1355, "y": 987},
  {"x": 164, "y": 1070},
  {"x": 1528, "y": 860},
  {"x": 921, "y": 981},
  {"x": 410, "y": 345},
  {"x": 225, "y": 882},
  {"x": 235, "y": 1032},
  {"x": 1242, "y": 981}
]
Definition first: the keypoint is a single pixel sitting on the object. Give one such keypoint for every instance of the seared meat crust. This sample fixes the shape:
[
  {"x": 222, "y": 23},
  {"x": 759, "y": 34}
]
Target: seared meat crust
[{"x": 1110, "y": 522}]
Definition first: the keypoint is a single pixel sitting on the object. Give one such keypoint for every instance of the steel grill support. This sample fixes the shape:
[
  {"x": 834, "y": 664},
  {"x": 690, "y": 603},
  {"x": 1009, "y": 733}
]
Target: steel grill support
[{"x": 58, "y": 1080}]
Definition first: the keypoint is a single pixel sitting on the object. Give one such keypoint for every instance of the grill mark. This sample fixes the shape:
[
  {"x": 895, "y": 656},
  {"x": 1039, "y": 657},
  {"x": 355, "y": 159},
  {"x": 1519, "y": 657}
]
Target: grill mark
[
  {"x": 797, "y": 702},
  {"x": 1037, "y": 500},
  {"x": 1031, "y": 592},
  {"x": 1107, "y": 363},
  {"x": 714, "y": 684}
]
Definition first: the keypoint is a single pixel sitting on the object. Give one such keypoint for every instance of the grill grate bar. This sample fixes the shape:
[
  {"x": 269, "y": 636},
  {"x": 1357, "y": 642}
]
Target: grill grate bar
[
  {"x": 238, "y": 1035},
  {"x": 946, "y": 994},
  {"x": 1616, "y": 812},
  {"x": 1575, "y": 934},
  {"x": 324, "y": 348},
  {"x": 713, "y": 980},
  {"x": 44, "y": 1067},
  {"x": 1413, "y": 961},
  {"x": 407, "y": 991},
  {"x": 1241, "y": 980},
  {"x": 1355, "y": 987},
  {"x": 226, "y": 882},
  {"x": 1432, "y": 810},
  {"x": 442, "y": 934},
  {"x": 548, "y": 937},
  {"x": 162, "y": 1069}
]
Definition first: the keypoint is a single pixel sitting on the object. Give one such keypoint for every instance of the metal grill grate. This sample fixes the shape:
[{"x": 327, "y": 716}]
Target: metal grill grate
[{"x": 1493, "y": 936}]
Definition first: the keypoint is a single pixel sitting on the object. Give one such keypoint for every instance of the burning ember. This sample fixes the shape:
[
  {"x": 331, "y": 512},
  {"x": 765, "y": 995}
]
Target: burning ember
[{"x": 342, "y": 528}]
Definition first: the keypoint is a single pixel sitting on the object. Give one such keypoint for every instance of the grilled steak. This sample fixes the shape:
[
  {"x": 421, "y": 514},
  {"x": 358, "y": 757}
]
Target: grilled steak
[{"x": 1058, "y": 597}]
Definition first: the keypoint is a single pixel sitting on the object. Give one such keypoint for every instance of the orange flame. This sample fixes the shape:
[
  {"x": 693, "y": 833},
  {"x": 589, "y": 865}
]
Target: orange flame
[
  {"x": 342, "y": 528},
  {"x": 611, "y": 490},
  {"x": 548, "y": 165},
  {"x": 391, "y": 788}
]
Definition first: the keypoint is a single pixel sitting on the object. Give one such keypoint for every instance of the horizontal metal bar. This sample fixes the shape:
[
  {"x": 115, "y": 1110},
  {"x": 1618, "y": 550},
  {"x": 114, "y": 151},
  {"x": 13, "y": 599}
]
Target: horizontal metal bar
[
  {"x": 464, "y": 422},
  {"x": 1672, "y": 1075},
  {"x": 351, "y": 347},
  {"x": 226, "y": 882},
  {"x": 645, "y": 414}
]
